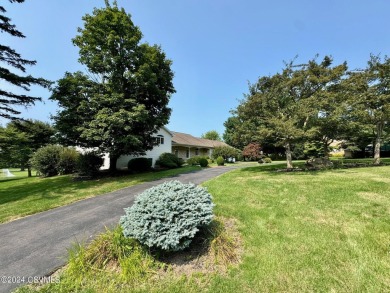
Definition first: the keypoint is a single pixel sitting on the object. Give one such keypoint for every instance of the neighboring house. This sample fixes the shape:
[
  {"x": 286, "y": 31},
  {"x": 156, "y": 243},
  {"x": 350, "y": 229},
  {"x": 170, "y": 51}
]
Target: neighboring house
[
  {"x": 182, "y": 145},
  {"x": 186, "y": 146}
]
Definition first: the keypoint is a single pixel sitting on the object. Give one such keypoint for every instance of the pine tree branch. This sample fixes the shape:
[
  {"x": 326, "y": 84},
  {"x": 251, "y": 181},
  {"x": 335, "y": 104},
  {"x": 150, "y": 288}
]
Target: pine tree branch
[{"x": 11, "y": 57}]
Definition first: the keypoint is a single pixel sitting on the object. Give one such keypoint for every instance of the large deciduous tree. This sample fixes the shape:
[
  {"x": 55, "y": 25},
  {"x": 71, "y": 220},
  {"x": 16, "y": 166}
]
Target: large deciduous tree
[
  {"x": 123, "y": 100},
  {"x": 282, "y": 107},
  {"x": 9, "y": 58},
  {"x": 368, "y": 91}
]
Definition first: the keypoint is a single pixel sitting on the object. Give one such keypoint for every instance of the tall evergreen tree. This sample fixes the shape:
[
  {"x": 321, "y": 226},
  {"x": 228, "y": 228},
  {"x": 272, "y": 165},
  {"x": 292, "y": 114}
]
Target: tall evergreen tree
[{"x": 10, "y": 58}]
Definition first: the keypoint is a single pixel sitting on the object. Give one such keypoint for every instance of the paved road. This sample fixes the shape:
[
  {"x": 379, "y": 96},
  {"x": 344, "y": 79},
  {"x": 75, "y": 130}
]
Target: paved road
[{"x": 37, "y": 245}]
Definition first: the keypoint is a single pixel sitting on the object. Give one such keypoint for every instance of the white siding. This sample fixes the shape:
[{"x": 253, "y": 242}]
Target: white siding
[
  {"x": 106, "y": 157},
  {"x": 154, "y": 153}
]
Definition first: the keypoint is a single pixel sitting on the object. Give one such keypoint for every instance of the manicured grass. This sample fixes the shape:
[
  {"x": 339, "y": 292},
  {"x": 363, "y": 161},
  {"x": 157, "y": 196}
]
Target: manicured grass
[
  {"x": 21, "y": 196},
  {"x": 322, "y": 231},
  {"x": 14, "y": 171}
]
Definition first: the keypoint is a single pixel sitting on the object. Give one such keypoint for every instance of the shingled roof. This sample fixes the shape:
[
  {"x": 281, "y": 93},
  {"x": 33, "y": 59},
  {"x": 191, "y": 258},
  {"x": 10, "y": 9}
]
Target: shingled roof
[{"x": 183, "y": 139}]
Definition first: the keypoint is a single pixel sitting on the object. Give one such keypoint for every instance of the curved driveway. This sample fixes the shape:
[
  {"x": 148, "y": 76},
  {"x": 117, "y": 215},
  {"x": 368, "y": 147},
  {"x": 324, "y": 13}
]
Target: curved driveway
[{"x": 36, "y": 245}]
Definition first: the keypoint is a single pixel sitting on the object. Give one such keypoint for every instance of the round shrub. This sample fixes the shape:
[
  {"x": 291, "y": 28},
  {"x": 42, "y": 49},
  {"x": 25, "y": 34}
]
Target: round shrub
[
  {"x": 139, "y": 164},
  {"x": 68, "y": 161},
  {"x": 168, "y": 215},
  {"x": 45, "y": 160},
  {"x": 168, "y": 160},
  {"x": 267, "y": 160},
  {"x": 220, "y": 161},
  {"x": 203, "y": 162},
  {"x": 89, "y": 163},
  {"x": 193, "y": 161}
]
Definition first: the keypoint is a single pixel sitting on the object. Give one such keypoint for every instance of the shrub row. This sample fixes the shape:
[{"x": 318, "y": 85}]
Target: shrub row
[
  {"x": 140, "y": 164},
  {"x": 198, "y": 160},
  {"x": 52, "y": 160}
]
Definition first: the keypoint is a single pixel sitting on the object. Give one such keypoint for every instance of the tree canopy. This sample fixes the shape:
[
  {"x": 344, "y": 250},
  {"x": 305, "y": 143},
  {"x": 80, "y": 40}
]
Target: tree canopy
[
  {"x": 283, "y": 106},
  {"x": 123, "y": 100},
  {"x": 20, "y": 139},
  {"x": 369, "y": 99},
  {"x": 212, "y": 135},
  {"x": 9, "y": 100}
]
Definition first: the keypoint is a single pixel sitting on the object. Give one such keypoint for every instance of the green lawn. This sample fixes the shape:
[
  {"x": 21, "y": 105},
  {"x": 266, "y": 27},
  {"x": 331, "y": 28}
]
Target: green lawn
[
  {"x": 21, "y": 196},
  {"x": 323, "y": 231}
]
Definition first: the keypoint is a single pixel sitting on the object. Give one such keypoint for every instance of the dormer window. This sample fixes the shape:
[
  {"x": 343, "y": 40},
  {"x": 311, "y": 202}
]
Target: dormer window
[{"x": 159, "y": 139}]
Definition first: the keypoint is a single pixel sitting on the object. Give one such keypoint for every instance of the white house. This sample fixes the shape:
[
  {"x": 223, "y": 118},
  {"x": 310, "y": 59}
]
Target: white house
[
  {"x": 181, "y": 144},
  {"x": 163, "y": 137}
]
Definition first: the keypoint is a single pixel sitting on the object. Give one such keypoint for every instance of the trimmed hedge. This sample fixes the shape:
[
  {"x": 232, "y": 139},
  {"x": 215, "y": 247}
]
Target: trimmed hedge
[
  {"x": 220, "y": 161},
  {"x": 89, "y": 163},
  {"x": 168, "y": 215},
  {"x": 194, "y": 161},
  {"x": 68, "y": 161},
  {"x": 139, "y": 164},
  {"x": 203, "y": 162},
  {"x": 168, "y": 160}
]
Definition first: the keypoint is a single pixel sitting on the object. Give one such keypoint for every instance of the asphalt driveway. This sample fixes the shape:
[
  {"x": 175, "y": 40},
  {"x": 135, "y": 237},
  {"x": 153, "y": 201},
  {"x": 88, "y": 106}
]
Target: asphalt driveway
[{"x": 36, "y": 245}]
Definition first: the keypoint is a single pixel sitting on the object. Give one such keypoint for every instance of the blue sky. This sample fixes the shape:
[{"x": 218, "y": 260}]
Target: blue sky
[{"x": 216, "y": 46}]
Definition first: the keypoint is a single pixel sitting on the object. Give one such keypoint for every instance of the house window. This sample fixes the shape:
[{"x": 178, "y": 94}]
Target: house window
[
  {"x": 159, "y": 139},
  {"x": 196, "y": 152},
  {"x": 187, "y": 153}
]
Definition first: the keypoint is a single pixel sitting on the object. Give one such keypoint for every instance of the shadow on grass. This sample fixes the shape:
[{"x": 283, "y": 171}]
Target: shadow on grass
[
  {"x": 300, "y": 169},
  {"x": 61, "y": 186}
]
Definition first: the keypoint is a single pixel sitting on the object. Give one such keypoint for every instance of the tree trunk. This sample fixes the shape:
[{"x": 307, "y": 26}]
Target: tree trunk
[
  {"x": 29, "y": 171},
  {"x": 377, "y": 147},
  {"x": 113, "y": 160},
  {"x": 326, "y": 147},
  {"x": 288, "y": 155}
]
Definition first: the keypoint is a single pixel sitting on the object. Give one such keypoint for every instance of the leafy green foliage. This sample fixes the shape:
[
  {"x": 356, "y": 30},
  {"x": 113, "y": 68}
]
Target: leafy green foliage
[
  {"x": 8, "y": 99},
  {"x": 212, "y": 135},
  {"x": 203, "y": 162},
  {"x": 53, "y": 160},
  {"x": 68, "y": 161},
  {"x": 121, "y": 109},
  {"x": 168, "y": 216},
  {"x": 220, "y": 161},
  {"x": 139, "y": 164},
  {"x": 89, "y": 163},
  {"x": 267, "y": 160},
  {"x": 45, "y": 160},
  {"x": 170, "y": 161},
  {"x": 20, "y": 139},
  {"x": 369, "y": 99},
  {"x": 226, "y": 152},
  {"x": 235, "y": 134},
  {"x": 194, "y": 161},
  {"x": 283, "y": 107}
]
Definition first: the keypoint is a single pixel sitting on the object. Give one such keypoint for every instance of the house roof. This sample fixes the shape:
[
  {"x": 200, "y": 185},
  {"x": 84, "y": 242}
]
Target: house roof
[{"x": 183, "y": 139}]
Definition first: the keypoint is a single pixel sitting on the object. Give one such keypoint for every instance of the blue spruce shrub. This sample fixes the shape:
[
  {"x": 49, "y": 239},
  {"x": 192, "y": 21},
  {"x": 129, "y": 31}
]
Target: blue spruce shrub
[{"x": 168, "y": 215}]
